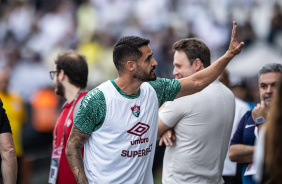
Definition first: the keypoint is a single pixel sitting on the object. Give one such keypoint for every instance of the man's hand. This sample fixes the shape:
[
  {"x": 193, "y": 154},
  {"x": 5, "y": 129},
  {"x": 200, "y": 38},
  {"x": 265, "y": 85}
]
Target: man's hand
[
  {"x": 259, "y": 111},
  {"x": 168, "y": 138},
  {"x": 235, "y": 47}
]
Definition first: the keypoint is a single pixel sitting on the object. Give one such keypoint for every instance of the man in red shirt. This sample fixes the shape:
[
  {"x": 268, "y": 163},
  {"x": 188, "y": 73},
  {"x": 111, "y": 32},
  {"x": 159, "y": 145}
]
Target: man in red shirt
[{"x": 70, "y": 79}]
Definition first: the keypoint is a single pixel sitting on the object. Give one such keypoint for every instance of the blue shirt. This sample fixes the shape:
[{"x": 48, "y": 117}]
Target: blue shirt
[{"x": 245, "y": 134}]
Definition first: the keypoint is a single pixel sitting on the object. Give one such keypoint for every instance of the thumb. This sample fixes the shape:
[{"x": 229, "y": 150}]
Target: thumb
[{"x": 262, "y": 103}]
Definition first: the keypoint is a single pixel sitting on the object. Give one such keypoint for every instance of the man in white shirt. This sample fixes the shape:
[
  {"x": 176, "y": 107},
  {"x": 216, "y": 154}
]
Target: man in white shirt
[{"x": 202, "y": 122}]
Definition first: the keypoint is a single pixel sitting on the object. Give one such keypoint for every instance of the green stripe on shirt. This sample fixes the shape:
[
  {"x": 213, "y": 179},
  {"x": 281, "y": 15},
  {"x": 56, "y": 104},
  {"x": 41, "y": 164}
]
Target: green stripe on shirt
[{"x": 92, "y": 112}]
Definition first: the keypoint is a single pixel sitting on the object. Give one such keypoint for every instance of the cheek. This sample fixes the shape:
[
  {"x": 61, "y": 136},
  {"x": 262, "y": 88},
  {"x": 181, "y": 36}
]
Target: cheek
[
  {"x": 187, "y": 73},
  {"x": 262, "y": 93}
]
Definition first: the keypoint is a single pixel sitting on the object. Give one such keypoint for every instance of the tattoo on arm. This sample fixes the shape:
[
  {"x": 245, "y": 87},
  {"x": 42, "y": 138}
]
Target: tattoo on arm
[{"x": 75, "y": 142}]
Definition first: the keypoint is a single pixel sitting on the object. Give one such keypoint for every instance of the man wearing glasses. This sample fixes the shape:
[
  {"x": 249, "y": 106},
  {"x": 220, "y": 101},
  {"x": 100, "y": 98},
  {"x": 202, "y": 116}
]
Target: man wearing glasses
[{"x": 70, "y": 79}]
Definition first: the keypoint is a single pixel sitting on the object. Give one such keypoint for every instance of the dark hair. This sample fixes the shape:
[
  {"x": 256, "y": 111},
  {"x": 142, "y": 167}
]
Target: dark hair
[
  {"x": 194, "y": 48},
  {"x": 127, "y": 48},
  {"x": 271, "y": 67},
  {"x": 74, "y": 66}
]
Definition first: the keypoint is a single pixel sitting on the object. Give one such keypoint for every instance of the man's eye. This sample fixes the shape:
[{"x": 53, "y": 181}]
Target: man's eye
[
  {"x": 274, "y": 84},
  {"x": 263, "y": 86}
]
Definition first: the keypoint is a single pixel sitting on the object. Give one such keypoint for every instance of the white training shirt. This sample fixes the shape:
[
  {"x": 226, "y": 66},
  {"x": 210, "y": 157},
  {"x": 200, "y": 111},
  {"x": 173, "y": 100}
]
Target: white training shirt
[
  {"x": 202, "y": 123},
  {"x": 114, "y": 150}
]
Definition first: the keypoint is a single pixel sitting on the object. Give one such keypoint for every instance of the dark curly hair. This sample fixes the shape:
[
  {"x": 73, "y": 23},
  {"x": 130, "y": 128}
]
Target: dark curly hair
[{"x": 127, "y": 48}]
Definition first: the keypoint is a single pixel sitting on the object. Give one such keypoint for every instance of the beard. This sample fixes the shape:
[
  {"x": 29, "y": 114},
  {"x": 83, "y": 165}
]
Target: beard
[
  {"x": 59, "y": 89},
  {"x": 143, "y": 76},
  {"x": 267, "y": 99}
]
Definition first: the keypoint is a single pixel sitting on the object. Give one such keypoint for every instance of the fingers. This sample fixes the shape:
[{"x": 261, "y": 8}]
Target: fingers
[
  {"x": 167, "y": 138},
  {"x": 234, "y": 32},
  {"x": 241, "y": 45},
  {"x": 173, "y": 138},
  {"x": 235, "y": 47},
  {"x": 262, "y": 103},
  {"x": 161, "y": 141}
]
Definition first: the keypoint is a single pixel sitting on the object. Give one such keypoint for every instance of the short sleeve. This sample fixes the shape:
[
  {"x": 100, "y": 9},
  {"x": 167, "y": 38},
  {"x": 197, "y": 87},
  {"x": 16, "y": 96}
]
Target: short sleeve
[
  {"x": 166, "y": 89},
  {"x": 171, "y": 113},
  {"x": 92, "y": 112},
  {"x": 238, "y": 135}
]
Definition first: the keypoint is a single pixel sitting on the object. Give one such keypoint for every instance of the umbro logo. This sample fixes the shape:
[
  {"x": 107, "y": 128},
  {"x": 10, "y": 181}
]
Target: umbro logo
[{"x": 139, "y": 129}]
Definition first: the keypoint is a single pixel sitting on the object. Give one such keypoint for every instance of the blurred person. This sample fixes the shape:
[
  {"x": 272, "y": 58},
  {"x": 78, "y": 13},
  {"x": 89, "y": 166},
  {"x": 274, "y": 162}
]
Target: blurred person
[
  {"x": 242, "y": 147},
  {"x": 268, "y": 151},
  {"x": 240, "y": 89},
  {"x": 276, "y": 23},
  {"x": 42, "y": 111},
  {"x": 231, "y": 171},
  {"x": 247, "y": 33},
  {"x": 196, "y": 156},
  {"x": 70, "y": 78},
  {"x": 15, "y": 109},
  {"x": 7, "y": 150},
  {"x": 117, "y": 121}
]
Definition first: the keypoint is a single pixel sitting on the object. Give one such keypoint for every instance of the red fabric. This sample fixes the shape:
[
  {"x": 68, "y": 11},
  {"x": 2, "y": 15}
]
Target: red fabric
[{"x": 65, "y": 175}]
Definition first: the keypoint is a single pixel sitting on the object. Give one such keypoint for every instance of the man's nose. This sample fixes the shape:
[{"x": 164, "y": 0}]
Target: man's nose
[
  {"x": 155, "y": 63},
  {"x": 269, "y": 89},
  {"x": 174, "y": 72}
]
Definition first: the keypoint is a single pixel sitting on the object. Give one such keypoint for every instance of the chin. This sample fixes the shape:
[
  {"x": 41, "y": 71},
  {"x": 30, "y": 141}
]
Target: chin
[{"x": 267, "y": 103}]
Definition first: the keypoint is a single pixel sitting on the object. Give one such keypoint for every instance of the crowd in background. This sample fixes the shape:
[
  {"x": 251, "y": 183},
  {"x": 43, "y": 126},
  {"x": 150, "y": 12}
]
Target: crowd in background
[{"x": 33, "y": 32}]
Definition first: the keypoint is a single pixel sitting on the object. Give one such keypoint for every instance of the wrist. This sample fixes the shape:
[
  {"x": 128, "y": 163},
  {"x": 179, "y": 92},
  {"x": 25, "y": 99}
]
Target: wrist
[
  {"x": 259, "y": 121},
  {"x": 229, "y": 54}
]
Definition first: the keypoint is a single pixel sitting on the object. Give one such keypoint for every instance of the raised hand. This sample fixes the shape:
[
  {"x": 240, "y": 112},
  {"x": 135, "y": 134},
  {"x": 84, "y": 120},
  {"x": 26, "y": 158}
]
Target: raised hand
[
  {"x": 235, "y": 47},
  {"x": 259, "y": 111}
]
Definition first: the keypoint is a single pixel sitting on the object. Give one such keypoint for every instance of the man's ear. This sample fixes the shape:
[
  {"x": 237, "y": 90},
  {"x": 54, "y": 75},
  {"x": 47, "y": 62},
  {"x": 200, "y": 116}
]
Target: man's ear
[
  {"x": 198, "y": 65},
  {"x": 130, "y": 65},
  {"x": 61, "y": 75}
]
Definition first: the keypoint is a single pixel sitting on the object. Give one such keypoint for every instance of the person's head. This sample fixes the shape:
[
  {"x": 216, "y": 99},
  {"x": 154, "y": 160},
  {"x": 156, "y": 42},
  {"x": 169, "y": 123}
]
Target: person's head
[
  {"x": 268, "y": 80},
  {"x": 224, "y": 78},
  {"x": 4, "y": 79},
  {"x": 72, "y": 68},
  {"x": 191, "y": 55},
  {"x": 133, "y": 54}
]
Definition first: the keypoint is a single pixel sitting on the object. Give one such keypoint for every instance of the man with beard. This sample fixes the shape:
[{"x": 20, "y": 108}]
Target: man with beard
[
  {"x": 118, "y": 120},
  {"x": 242, "y": 144},
  {"x": 70, "y": 79}
]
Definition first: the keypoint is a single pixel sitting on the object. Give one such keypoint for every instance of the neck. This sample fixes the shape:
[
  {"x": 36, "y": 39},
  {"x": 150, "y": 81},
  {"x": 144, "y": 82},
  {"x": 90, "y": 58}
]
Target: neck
[
  {"x": 128, "y": 85},
  {"x": 71, "y": 92}
]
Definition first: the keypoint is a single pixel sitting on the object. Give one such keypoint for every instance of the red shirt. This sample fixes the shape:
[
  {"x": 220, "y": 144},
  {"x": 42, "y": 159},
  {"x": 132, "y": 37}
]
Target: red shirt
[{"x": 65, "y": 175}]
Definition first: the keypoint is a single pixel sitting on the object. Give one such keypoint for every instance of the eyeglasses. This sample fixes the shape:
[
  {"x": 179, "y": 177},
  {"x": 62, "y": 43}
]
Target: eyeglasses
[{"x": 52, "y": 74}]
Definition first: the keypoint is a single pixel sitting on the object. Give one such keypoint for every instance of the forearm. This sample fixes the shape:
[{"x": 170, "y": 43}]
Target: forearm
[
  {"x": 9, "y": 159},
  {"x": 75, "y": 142},
  {"x": 241, "y": 153},
  {"x": 76, "y": 164},
  {"x": 9, "y": 167}
]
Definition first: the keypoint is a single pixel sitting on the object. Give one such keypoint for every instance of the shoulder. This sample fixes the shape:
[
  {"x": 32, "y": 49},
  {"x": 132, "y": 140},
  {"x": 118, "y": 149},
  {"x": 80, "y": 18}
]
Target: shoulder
[
  {"x": 248, "y": 116},
  {"x": 241, "y": 103},
  {"x": 92, "y": 96},
  {"x": 163, "y": 81},
  {"x": 161, "y": 84}
]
